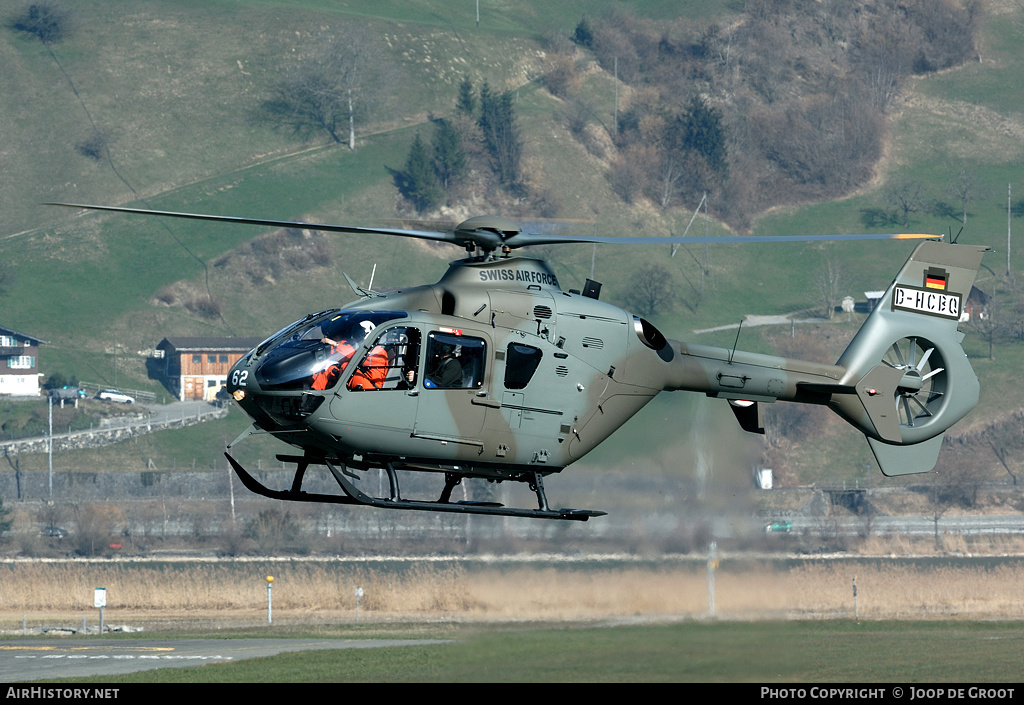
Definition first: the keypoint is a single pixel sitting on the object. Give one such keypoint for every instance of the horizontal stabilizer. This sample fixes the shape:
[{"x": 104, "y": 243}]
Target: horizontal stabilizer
[
  {"x": 876, "y": 391},
  {"x": 906, "y": 460}
]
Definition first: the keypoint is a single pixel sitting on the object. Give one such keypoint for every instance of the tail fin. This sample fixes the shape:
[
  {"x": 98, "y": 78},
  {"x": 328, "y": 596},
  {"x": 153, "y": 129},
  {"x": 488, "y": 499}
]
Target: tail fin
[{"x": 907, "y": 378}]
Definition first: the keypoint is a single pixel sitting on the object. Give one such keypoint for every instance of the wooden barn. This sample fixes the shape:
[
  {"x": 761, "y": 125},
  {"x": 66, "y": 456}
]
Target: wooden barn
[{"x": 197, "y": 368}]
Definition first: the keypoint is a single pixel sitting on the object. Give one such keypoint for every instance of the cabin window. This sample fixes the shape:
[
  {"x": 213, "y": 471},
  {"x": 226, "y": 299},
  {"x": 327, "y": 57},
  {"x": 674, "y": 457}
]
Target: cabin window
[
  {"x": 521, "y": 362},
  {"x": 391, "y": 363},
  {"x": 454, "y": 361}
]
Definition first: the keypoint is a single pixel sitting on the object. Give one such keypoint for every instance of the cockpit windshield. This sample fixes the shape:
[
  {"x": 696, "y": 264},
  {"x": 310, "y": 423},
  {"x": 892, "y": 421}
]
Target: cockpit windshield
[{"x": 312, "y": 353}]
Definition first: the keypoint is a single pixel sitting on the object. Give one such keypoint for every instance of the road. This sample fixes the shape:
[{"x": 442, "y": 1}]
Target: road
[
  {"x": 911, "y": 524},
  {"x": 34, "y": 659}
]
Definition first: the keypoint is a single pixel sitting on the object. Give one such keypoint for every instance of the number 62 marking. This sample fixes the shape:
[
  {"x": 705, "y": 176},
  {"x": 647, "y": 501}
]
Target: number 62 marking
[{"x": 238, "y": 377}]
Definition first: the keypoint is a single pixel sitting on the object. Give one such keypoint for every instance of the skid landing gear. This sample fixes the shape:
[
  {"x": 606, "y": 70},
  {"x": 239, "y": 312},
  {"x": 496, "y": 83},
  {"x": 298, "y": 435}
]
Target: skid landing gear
[{"x": 353, "y": 495}]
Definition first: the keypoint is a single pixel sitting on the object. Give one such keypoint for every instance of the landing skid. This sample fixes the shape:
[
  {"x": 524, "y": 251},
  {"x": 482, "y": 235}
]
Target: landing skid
[{"x": 353, "y": 495}]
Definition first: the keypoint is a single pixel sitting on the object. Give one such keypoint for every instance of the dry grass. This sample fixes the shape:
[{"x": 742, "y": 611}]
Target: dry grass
[{"x": 323, "y": 592}]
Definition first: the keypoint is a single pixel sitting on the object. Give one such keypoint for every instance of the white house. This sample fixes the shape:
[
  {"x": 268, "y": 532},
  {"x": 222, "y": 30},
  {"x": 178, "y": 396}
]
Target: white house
[{"x": 19, "y": 363}]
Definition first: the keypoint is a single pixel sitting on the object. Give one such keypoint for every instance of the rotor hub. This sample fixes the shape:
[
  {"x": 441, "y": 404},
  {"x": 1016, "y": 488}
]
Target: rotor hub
[{"x": 488, "y": 232}]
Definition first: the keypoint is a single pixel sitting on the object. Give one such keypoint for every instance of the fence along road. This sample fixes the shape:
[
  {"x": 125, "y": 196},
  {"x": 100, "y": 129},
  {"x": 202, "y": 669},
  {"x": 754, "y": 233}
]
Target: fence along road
[{"x": 161, "y": 417}]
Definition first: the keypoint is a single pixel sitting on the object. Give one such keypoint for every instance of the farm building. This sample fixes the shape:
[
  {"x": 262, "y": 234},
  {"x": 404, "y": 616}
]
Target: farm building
[{"x": 197, "y": 368}]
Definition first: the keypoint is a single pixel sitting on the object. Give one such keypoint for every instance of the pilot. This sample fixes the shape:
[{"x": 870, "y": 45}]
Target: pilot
[
  {"x": 447, "y": 371},
  {"x": 340, "y": 353},
  {"x": 372, "y": 371}
]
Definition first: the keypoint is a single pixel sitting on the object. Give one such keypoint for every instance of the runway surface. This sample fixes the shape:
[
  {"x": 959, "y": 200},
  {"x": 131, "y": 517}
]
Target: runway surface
[{"x": 25, "y": 660}]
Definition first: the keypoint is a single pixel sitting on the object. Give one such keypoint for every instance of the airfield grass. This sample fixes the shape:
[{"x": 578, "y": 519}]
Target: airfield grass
[
  {"x": 937, "y": 620},
  {"x": 835, "y": 651}
]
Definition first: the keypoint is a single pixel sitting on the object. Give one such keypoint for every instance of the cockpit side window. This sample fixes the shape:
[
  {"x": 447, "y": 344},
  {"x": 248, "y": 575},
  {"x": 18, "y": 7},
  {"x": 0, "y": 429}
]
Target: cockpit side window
[
  {"x": 454, "y": 361},
  {"x": 313, "y": 353},
  {"x": 392, "y": 362},
  {"x": 521, "y": 361}
]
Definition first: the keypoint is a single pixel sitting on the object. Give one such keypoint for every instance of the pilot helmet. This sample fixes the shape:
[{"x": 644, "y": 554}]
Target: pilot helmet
[{"x": 443, "y": 349}]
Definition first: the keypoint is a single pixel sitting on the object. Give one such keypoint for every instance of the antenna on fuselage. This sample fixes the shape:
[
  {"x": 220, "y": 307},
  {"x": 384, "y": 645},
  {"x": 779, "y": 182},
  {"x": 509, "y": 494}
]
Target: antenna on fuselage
[{"x": 735, "y": 342}]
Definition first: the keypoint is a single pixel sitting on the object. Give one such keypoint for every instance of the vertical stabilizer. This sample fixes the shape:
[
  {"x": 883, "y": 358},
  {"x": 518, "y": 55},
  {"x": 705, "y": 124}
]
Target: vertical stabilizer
[{"x": 911, "y": 377}]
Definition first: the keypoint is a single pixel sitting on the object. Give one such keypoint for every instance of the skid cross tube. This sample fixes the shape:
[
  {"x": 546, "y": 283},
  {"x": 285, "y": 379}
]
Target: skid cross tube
[{"x": 353, "y": 495}]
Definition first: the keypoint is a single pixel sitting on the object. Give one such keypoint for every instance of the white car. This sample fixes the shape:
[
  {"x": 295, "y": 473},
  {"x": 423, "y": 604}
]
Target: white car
[{"x": 114, "y": 395}]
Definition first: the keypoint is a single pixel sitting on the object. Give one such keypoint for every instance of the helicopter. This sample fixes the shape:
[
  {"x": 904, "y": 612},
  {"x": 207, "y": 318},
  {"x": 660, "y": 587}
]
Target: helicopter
[{"x": 496, "y": 372}]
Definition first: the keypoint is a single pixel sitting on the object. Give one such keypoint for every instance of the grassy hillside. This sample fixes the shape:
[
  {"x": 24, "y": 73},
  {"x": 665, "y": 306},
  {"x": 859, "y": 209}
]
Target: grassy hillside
[{"x": 173, "y": 88}]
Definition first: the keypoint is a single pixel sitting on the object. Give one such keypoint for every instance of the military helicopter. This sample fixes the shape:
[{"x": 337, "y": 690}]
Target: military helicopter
[{"x": 495, "y": 372}]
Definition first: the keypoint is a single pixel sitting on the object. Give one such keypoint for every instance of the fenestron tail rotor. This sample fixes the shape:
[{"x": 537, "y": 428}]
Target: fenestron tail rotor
[{"x": 920, "y": 393}]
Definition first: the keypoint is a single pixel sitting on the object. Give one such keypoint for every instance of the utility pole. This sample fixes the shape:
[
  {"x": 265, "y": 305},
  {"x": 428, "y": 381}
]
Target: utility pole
[
  {"x": 712, "y": 564},
  {"x": 1008, "y": 211},
  {"x": 49, "y": 448},
  {"x": 615, "y": 135},
  {"x": 856, "y": 609}
]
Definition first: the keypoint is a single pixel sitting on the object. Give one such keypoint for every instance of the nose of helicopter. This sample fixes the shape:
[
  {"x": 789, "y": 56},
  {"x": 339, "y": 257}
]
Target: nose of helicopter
[
  {"x": 240, "y": 379},
  {"x": 255, "y": 386}
]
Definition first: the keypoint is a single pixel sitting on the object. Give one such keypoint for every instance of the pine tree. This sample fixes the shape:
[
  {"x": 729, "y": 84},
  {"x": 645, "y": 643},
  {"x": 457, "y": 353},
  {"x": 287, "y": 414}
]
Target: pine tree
[
  {"x": 467, "y": 100},
  {"x": 487, "y": 106},
  {"x": 501, "y": 134},
  {"x": 584, "y": 36},
  {"x": 704, "y": 134},
  {"x": 449, "y": 156},
  {"x": 421, "y": 184}
]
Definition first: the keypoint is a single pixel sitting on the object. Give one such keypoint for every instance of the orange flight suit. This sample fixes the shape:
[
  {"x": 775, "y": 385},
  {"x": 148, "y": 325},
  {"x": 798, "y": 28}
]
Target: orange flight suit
[
  {"x": 326, "y": 377},
  {"x": 372, "y": 372}
]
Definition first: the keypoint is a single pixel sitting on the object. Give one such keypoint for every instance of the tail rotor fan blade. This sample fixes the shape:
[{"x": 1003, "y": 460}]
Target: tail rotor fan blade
[{"x": 921, "y": 393}]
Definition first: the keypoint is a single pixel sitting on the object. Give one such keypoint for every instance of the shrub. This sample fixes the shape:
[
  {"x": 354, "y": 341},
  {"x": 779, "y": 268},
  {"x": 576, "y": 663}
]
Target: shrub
[{"x": 46, "y": 21}]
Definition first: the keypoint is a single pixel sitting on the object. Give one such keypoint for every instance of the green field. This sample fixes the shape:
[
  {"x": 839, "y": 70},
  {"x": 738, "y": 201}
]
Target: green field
[{"x": 712, "y": 652}]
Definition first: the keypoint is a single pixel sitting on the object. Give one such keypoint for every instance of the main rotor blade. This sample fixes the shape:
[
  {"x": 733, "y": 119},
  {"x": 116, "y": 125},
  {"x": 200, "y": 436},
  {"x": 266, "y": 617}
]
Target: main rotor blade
[
  {"x": 421, "y": 234},
  {"x": 489, "y": 240},
  {"x": 526, "y": 239}
]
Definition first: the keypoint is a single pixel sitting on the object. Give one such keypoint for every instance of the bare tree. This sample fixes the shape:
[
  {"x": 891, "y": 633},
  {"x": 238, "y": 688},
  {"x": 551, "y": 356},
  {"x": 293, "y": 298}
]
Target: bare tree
[
  {"x": 96, "y": 525},
  {"x": 1004, "y": 438},
  {"x": 1000, "y": 320},
  {"x": 884, "y": 51},
  {"x": 653, "y": 289},
  {"x": 341, "y": 81},
  {"x": 668, "y": 181},
  {"x": 907, "y": 198},
  {"x": 961, "y": 187},
  {"x": 829, "y": 281}
]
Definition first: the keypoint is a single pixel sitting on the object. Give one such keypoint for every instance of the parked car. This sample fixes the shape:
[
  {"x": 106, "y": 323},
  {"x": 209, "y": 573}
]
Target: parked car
[
  {"x": 114, "y": 395},
  {"x": 777, "y": 526},
  {"x": 68, "y": 392}
]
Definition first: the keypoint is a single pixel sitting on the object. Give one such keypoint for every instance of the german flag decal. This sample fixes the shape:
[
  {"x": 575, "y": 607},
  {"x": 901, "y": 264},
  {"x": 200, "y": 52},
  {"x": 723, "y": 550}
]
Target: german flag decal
[{"x": 935, "y": 278}]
